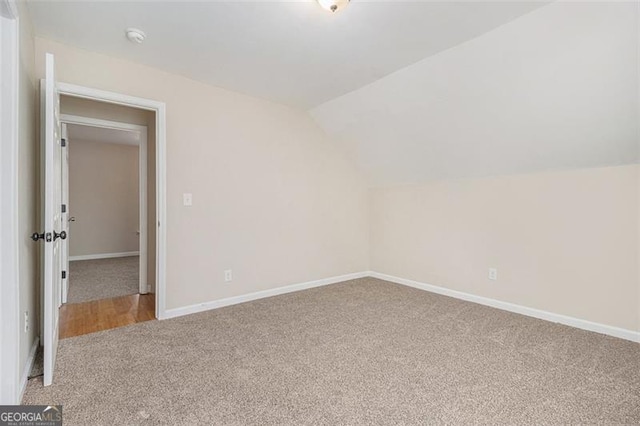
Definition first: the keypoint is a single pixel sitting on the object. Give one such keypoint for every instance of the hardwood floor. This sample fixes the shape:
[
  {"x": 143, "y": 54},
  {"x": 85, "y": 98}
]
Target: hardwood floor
[{"x": 88, "y": 317}]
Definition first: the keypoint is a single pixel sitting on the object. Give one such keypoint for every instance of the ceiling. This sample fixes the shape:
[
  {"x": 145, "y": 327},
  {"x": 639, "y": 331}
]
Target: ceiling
[
  {"x": 78, "y": 132},
  {"x": 291, "y": 52},
  {"x": 555, "y": 89}
]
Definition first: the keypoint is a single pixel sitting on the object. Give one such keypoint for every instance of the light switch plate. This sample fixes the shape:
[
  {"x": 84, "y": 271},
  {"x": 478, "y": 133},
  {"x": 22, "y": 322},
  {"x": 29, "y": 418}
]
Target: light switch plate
[{"x": 187, "y": 199}]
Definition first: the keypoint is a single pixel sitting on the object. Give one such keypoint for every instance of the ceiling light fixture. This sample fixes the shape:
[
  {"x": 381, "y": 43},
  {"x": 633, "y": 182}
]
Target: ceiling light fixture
[
  {"x": 333, "y": 5},
  {"x": 135, "y": 35}
]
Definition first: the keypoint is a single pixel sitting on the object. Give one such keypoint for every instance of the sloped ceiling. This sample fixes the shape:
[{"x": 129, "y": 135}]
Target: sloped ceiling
[
  {"x": 292, "y": 52},
  {"x": 555, "y": 89}
]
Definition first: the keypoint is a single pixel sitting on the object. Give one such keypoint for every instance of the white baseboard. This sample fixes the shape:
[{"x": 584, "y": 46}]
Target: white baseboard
[
  {"x": 621, "y": 333},
  {"x": 104, "y": 255},
  {"x": 214, "y": 304},
  {"x": 27, "y": 369}
]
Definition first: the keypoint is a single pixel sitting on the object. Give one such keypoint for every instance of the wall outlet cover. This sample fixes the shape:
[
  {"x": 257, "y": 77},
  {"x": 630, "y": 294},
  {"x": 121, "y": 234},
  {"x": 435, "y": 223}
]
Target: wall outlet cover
[{"x": 493, "y": 274}]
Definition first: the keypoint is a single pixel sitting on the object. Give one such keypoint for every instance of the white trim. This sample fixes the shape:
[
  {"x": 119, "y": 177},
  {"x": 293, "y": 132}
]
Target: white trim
[
  {"x": 143, "y": 285},
  {"x": 161, "y": 140},
  {"x": 9, "y": 223},
  {"x": 215, "y": 304},
  {"x": 105, "y": 124},
  {"x": 104, "y": 255},
  {"x": 621, "y": 333},
  {"x": 143, "y": 201},
  {"x": 27, "y": 368},
  {"x": 109, "y": 97}
]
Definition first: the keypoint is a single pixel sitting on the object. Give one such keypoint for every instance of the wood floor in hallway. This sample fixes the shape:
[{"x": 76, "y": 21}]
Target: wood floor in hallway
[{"x": 88, "y": 317}]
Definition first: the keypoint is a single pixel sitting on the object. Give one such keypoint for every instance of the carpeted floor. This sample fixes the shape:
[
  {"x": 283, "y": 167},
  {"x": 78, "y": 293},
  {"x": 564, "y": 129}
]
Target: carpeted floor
[
  {"x": 103, "y": 278},
  {"x": 360, "y": 352}
]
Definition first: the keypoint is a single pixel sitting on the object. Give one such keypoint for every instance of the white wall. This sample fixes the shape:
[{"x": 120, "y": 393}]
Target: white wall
[
  {"x": 563, "y": 242},
  {"x": 272, "y": 198},
  {"x": 556, "y": 89},
  {"x": 103, "y": 198}
]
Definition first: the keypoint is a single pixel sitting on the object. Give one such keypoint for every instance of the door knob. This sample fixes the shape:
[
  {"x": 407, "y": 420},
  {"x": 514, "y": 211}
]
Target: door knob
[
  {"x": 72, "y": 219},
  {"x": 47, "y": 237},
  {"x": 62, "y": 235}
]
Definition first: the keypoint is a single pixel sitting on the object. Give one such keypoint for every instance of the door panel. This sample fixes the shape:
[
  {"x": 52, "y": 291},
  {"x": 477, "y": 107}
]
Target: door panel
[{"x": 51, "y": 217}]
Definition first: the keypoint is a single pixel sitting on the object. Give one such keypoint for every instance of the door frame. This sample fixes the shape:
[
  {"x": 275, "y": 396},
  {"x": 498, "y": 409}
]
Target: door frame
[
  {"x": 143, "y": 285},
  {"x": 159, "y": 108},
  {"x": 10, "y": 386}
]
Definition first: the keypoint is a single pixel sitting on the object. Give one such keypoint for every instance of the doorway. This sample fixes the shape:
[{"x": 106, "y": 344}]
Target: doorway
[
  {"x": 106, "y": 178},
  {"x": 106, "y": 198}
]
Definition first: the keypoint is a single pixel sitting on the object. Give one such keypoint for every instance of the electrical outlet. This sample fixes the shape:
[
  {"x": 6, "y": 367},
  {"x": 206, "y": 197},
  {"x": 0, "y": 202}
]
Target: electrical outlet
[
  {"x": 228, "y": 275},
  {"x": 26, "y": 321},
  {"x": 493, "y": 274}
]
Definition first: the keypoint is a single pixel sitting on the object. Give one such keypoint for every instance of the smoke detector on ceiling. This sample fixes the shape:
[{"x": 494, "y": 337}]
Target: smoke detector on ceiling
[{"x": 135, "y": 35}]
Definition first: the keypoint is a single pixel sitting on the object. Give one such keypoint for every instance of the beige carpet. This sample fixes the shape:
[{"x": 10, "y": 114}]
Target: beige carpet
[
  {"x": 103, "y": 278},
  {"x": 360, "y": 352}
]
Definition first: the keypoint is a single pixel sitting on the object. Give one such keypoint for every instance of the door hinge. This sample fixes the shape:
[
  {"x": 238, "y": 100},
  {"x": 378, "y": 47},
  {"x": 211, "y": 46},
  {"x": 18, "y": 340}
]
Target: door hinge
[
  {"x": 64, "y": 208},
  {"x": 64, "y": 275},
  {"x": 63, "y": 142}
]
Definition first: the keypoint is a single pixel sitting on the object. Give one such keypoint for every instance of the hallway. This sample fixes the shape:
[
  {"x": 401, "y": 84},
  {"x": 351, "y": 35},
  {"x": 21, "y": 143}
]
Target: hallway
[{"x": 92, "y": 280}]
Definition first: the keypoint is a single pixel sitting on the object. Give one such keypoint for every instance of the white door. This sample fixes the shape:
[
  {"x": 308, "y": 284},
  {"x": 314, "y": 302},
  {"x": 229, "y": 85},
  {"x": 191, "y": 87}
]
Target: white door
[
  {"x": 51, "y": 216},
  {"x": 64, "y": 158}
]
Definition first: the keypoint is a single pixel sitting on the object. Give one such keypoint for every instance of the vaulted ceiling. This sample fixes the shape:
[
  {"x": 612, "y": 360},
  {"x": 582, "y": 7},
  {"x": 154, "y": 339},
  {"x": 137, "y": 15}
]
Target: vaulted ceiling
[
  {"x": 292, "y": 52},
  {"x": 412, "y": 91},
  {"x": 555, "y": 89}
]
